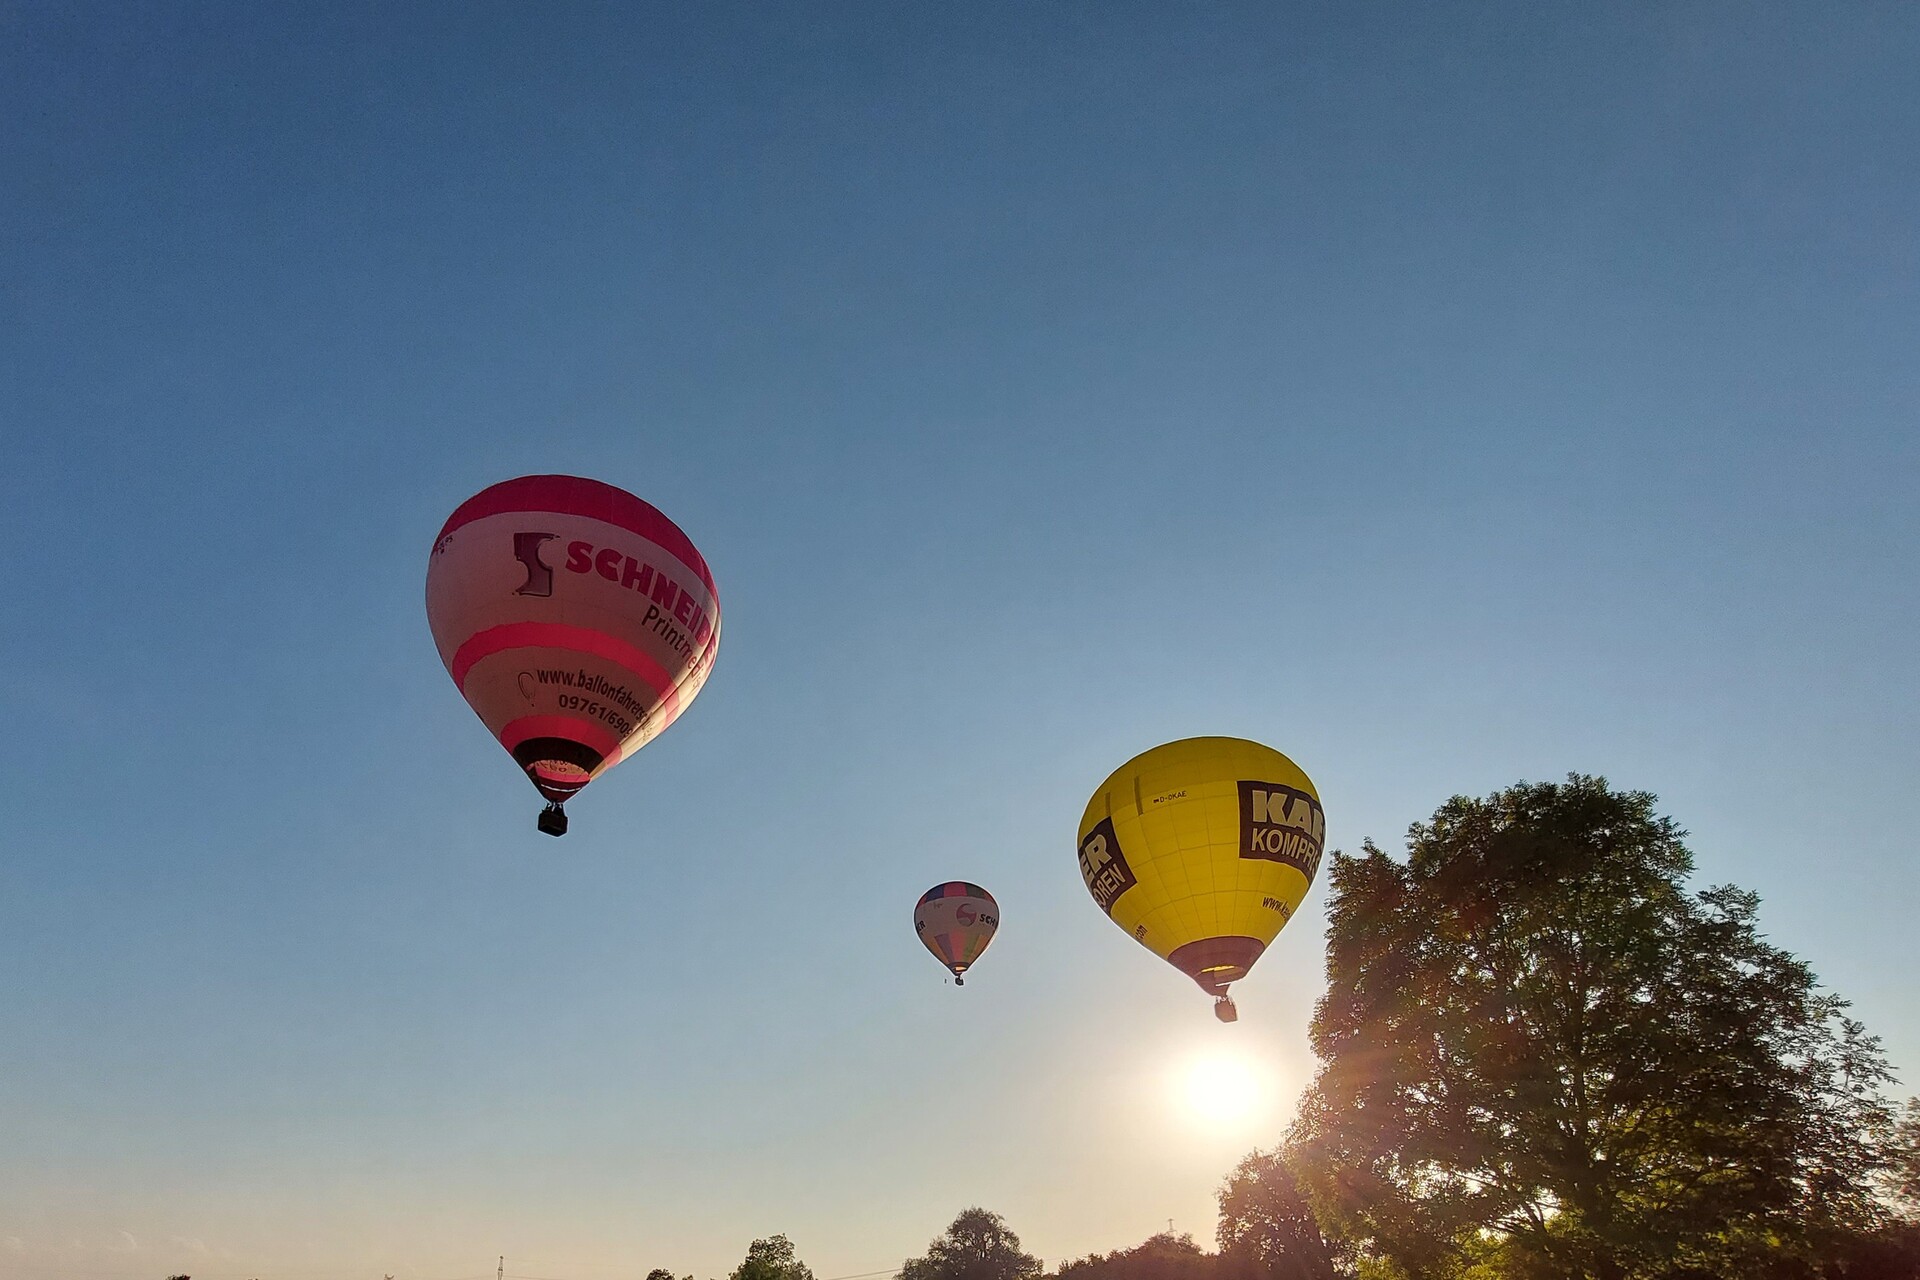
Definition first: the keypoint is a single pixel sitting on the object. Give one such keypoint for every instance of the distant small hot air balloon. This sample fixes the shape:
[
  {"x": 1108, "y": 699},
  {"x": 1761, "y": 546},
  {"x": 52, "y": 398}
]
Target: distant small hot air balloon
[
  {"x": 1201, "y": 850},
  {"x": 956, "y": 921},
  {"x": 577, "y": 621}
]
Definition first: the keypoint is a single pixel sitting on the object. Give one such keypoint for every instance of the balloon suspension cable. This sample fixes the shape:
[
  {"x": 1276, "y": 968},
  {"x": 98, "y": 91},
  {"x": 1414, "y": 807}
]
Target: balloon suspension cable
[
  {"x": 553, "y": 820},
  {"x": 1223, "y": 1009}
]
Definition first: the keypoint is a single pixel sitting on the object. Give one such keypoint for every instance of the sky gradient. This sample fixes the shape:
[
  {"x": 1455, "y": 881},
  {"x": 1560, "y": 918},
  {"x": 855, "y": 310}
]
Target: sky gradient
[{"x": 1445, "y": 395}]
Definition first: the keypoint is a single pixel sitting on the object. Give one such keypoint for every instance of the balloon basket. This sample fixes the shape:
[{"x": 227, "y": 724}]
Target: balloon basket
[
  {"x": 1223, "y": 1009},
  {"x": 553, "y": 820}
]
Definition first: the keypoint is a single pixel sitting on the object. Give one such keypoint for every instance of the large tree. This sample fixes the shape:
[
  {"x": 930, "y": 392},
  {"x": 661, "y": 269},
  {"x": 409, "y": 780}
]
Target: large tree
[
  {"x": 771, "y": 1259},
  {"x": 1542, "y": 1053},
  {"x": 1267, "y": 1227},
  {"x": 978, "y": 1245}
]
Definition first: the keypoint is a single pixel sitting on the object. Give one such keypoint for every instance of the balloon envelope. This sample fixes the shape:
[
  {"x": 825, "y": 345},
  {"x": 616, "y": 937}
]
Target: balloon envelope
[
  {"x": 956, "y": 921},
  {"x": 576, "y": 619},
  {"x": 1202, "y": 850}
]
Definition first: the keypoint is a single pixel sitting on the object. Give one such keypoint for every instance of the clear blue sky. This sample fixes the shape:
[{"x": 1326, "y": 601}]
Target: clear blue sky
[{"x": 1444, "y": 394}]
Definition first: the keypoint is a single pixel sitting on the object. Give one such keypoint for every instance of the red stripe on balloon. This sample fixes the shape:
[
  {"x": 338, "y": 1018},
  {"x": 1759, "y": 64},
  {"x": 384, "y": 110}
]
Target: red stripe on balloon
[
  {"x": 557, "y": 635},
  {"x": 586, "y": 732},
  {"x": 578, "y": 496}
]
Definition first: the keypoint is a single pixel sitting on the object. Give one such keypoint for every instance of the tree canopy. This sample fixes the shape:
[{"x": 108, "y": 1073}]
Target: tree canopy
[
  {"x": 1542, "y": 1055},
  {"x": 1160, "y": 1257},
  {"x": 978, "y": 1245},
  {"x": 1903, "y": 1165},
  {"x": 1267, "y": 1227},
  {"x": 771, "y": 1259}
]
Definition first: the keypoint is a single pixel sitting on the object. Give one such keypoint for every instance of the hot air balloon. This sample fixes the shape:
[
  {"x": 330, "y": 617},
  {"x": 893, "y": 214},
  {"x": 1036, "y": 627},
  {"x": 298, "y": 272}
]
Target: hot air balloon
[
  {"x": 1202, "y": 850},
  {"x": 577, "y": 621},
  {"x": 956, "y": 921}
]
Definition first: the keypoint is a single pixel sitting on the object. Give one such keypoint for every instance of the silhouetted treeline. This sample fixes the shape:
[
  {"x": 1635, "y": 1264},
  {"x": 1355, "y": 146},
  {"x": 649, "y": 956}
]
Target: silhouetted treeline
[{"x": 1160, "y": 1257}]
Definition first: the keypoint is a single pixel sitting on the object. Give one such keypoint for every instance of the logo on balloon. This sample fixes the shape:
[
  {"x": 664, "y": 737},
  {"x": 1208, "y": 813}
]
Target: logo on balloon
[
  {"x": 965, "y": 915},
  {"x": 526, "y": 549},
  {"x": 1103, "y": 866},
  {"x": 1281, "y": 824}
]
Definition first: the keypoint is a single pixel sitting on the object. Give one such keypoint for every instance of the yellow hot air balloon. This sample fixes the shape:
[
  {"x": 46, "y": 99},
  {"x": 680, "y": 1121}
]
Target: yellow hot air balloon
[{"x": 1202, "y": 850}]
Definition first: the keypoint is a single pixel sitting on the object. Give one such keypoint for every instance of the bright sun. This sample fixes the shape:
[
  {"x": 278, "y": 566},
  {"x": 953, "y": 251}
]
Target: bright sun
[{"x": 1222, "y": 1089}]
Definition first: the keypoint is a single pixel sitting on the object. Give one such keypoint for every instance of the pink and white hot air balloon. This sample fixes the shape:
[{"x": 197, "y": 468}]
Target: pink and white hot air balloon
[
  {"x": 577, "y": 620},
  {"x": 956, "y": 921}
]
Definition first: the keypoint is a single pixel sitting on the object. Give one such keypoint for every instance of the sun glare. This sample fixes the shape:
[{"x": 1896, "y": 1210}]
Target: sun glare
[{"x": 1223, "y": 1090}]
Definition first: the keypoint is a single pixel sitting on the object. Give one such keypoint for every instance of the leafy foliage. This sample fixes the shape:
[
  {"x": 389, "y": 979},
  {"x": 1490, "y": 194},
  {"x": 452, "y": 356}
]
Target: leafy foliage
[
  {"x": 1161, "y": 1257},
  {"x": 1266, "y": 1225},
  {"x": 771, "y": 1259},
  {"x": 1903, "y": 1163},
  {"x": 977, "y": 1246},
  {"x": 1542, "y": 1056},
  {"x": 1892, "y": 1252}
]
